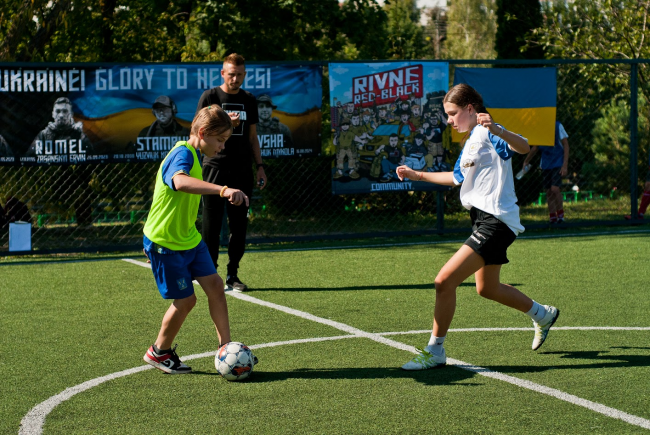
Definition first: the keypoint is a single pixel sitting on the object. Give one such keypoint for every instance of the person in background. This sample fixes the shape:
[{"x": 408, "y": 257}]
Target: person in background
[
  {"x": 554, "y": 164},
  {"x": 232, "y": 166}
]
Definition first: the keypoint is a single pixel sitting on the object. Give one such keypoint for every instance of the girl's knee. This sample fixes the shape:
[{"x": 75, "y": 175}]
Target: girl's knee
[
  {"x": 485, "y": 291},
  {"x": 482, "y": 291},
  {"x": 444, "y": 284}
]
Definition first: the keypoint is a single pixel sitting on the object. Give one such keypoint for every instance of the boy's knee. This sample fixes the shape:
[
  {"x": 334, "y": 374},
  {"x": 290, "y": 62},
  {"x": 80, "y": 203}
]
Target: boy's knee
[
  {"x": 212, "y": 285},
  {"x": 185, "y": 304}
]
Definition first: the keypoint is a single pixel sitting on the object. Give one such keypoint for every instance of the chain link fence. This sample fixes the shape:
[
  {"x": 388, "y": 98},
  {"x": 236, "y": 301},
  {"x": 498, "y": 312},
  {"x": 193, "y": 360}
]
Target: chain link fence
[{"x": 103, "y": 207}]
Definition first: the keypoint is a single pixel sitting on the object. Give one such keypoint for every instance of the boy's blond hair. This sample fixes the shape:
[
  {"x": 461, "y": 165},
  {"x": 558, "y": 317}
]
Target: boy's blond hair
[{"x": 213, "y": 119}]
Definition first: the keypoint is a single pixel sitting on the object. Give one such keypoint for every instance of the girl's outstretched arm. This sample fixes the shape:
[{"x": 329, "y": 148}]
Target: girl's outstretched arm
[{"x": 443, "y": 178}]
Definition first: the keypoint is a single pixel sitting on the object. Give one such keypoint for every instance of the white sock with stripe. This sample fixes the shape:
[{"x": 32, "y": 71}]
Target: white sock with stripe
[{"x": 435, "y": 345}]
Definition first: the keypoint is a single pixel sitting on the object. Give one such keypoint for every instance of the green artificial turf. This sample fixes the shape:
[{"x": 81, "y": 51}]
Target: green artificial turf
[{"x": 66, "y": 323}]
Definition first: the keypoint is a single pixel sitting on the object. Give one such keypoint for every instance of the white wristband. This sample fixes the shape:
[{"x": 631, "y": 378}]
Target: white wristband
[{"x": 502, "y": 130}]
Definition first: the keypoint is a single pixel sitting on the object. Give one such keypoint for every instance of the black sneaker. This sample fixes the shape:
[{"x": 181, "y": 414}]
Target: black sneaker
[
  {"x": 168, "y": 361},
  {"x": 234, "y": 283}
]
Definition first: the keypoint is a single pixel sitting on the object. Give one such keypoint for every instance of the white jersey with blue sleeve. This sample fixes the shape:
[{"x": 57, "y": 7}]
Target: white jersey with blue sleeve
[{"x": 484, "y": 169}]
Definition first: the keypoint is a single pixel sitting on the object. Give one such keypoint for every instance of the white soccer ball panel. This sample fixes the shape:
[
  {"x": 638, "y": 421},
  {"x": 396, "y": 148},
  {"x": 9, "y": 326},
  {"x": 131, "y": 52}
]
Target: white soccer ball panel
[
  {"x": 244, "y": 358},
  {"x": 234, "y": 347},
  {"x": 230, "y": 359}
]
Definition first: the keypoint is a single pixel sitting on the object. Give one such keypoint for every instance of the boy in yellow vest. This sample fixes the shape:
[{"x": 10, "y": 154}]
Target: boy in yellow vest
[{"x": 172, "y": 243}]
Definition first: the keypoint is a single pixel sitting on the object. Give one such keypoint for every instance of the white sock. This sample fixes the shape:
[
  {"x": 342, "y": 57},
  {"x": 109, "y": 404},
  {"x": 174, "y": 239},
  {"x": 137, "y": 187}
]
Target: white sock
[
  {"x": 537, "y": 312},
  {"x": 435, "y": 345}
]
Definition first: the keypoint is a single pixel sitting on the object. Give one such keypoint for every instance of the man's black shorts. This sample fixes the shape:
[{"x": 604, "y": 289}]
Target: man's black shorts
[
  {"x": 490, "y": 237},
  {"x": 552, "y": 177}
]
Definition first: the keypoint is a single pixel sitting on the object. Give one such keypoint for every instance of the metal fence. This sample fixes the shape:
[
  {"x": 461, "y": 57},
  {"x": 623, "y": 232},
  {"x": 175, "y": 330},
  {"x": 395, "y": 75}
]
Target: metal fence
[{"x": 103, "y": 207}]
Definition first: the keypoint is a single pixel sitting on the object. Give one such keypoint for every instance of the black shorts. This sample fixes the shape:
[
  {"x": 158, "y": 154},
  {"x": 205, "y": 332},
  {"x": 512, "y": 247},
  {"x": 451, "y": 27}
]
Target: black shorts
[
  {"x": 552, "y": 177},
  {"x": 490, "y": 237}
]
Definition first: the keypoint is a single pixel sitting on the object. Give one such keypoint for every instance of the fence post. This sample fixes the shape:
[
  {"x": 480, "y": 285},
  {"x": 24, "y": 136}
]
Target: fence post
[{"x": 634, "y": 114}]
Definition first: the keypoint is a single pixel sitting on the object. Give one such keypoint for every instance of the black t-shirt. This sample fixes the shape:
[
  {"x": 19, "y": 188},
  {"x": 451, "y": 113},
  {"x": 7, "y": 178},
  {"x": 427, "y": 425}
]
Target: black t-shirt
[{"x": 238, "y": 151}]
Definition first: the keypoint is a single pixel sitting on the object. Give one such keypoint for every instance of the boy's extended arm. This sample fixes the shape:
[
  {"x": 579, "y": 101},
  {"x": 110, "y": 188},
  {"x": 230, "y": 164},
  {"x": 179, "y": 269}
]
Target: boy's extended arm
[{"x": 187, "y": 184}]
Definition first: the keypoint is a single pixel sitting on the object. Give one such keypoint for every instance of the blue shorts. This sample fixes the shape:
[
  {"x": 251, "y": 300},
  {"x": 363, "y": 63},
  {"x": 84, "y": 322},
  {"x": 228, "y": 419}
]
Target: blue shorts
[{"x": 175, "y": 270}]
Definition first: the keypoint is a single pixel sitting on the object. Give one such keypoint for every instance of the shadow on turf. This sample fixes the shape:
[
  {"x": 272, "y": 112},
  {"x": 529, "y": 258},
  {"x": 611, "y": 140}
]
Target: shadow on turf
[
  {"x": 601, "y": 358},
  {"x": 428, "y": 286},
  {"x": 439, "y": 376}
]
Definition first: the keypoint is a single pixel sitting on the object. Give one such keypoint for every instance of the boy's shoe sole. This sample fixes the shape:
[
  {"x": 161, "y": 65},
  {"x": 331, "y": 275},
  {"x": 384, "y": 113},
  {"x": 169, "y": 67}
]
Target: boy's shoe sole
[{"x": 164, "y": 363}]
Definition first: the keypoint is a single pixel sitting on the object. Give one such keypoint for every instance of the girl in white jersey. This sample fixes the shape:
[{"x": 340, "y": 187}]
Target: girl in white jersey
[{"x": 484, "y": 171}]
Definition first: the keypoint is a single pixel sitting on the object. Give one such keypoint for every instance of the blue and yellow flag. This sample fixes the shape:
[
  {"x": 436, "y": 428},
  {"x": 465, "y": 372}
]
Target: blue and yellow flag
[{"x": 523, "y": 100}]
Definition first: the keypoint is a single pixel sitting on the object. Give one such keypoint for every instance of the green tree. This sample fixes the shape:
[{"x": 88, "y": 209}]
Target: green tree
[
  {"x": 471, "y": 30},
  {"x": 603, "y": 29},
  {"x": 611, "y": 146},
  {"x": 363, "y": 22},
  {"x": 596, "y": 96},
  {"x": 405, "y": 33},
  {"x": 516, "y": 19},
  {"x": 93, "y": 31},
  {"x": 265, "y": 29}
]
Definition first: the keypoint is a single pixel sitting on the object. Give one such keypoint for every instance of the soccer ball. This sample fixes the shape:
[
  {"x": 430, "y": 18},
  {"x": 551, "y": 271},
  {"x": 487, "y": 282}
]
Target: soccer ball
[{"x": 234, "y": 361}]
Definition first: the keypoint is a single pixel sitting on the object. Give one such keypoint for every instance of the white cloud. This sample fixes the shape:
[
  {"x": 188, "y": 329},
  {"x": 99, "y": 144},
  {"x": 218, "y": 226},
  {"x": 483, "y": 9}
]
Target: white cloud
[
  {"x": 340, "y": 70},
  {"x": 333, "y": 83}
]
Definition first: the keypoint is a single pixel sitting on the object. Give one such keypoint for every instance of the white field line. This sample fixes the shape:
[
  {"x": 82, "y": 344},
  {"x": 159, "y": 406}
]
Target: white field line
[
  {"x": 555, "y": 328},
  {"x": 32, "y": 423}
]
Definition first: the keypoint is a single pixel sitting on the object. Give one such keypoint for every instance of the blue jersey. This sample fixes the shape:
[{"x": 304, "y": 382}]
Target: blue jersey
[
  {"x": 553, "y": 157},
  {"x": 179, "y": 161}
]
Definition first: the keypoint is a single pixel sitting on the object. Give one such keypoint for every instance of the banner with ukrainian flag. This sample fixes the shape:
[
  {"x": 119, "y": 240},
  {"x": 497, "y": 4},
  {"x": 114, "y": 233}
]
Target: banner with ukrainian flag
[
  {"x": 74, "y": 113},
  {"x": 523, "y": 100}
]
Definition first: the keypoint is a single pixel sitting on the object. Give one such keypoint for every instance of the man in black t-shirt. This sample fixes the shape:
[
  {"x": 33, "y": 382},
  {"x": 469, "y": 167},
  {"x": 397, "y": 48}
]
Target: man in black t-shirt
[{"x": 232, "y": 167}]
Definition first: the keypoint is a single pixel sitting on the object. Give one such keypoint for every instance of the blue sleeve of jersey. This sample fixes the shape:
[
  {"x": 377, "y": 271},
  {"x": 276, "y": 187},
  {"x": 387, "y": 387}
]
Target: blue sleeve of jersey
[
  {"x": 500, "y": 146},
  {"x": 458, "y": 175},
  {"x": 180, "y": 160}
]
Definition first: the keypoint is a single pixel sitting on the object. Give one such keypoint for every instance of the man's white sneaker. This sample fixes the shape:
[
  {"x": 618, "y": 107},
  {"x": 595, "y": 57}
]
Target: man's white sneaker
[
  {"x": 426, "y": 360},
  {"x": 542, "y": 328}
]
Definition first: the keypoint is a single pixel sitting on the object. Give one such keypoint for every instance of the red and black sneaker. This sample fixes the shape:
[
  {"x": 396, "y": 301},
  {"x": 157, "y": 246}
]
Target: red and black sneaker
[{"x": 167, "y": 361}]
